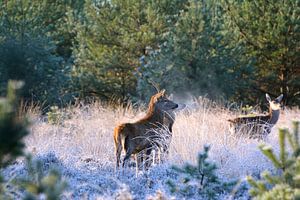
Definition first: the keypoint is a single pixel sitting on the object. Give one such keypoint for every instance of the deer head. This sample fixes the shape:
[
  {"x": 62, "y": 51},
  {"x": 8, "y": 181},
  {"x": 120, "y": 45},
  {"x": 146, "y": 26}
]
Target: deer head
[
  {"x": 162, "y": 103},
  {"x": 274, "y": 104}
]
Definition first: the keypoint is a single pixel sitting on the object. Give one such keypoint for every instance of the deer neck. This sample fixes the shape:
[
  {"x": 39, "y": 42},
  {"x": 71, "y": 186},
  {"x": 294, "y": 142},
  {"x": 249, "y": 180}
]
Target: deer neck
[
  {"x": 154, "y": 116},
  {"x": 170, "y": 115},
  {"x": 274, "y": 116}
]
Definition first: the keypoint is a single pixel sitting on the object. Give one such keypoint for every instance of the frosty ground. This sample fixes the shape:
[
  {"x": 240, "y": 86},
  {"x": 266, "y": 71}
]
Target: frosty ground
[{"x": 81, "y": 147}]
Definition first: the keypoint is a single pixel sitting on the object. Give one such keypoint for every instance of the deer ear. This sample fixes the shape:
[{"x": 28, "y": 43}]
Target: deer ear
[
  {"x": 171, "y": 96},
  {"x": 162, "y": 92},
  {"x": 268, "y": 97},
  {"x": 279, "y": 99}
]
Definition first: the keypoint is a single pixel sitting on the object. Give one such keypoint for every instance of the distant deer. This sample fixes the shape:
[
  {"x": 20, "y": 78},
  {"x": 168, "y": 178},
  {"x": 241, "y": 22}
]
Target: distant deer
[
  {"x": 258, "y": 126},
  {"x": 134, "y": 137}
]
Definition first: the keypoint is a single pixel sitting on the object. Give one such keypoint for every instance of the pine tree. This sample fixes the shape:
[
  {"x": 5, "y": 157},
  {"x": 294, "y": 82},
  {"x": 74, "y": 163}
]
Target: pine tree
[
  {"x": 112, "y": 38},
  {"x": 285, "y": 184},
  {"x": 269, "y": 36},
  {"x": 28, "y": 51},
  {"x": 194, "y": 50}
]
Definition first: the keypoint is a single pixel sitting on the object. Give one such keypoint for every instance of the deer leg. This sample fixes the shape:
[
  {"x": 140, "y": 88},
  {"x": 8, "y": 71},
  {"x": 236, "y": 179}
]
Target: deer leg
[
  {"x": 127, "y": 156},
  {"x": 148, "y": 158},
  {"x": 170, "y": 128},
  {"x": 154, "y": 153},
  {"x": 118, "y": 155},
  {"x": 136, "y": 165},
  {"x": 164, "y": 152},
  {"x": 140, "y": 160}
]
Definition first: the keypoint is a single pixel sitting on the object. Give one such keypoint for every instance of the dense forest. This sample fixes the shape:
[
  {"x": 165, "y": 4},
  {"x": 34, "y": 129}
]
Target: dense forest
[{"x": 115, "y": 49}]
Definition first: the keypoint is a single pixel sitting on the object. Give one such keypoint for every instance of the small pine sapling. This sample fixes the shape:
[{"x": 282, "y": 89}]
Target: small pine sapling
[
  {"x": 13, "y": 127},
  {"x": 37, "y": 183},
  {"x": 286, "y": 183},
  {"x": 200, "y": 179}
]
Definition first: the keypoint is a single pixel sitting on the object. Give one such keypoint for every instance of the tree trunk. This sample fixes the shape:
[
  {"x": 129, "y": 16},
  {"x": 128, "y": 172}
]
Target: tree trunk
[{"x": 284, "y": 88}]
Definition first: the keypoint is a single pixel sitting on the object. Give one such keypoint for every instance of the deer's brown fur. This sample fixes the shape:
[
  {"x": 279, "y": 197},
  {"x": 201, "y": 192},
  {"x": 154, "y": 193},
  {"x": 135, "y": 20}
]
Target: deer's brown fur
[{"x": 133, "y": 137}]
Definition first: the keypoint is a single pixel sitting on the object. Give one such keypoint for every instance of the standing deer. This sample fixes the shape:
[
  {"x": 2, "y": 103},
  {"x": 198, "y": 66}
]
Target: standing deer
[
  {"x": 134, "y": 137},
  {"x": 258, "y": 126}
]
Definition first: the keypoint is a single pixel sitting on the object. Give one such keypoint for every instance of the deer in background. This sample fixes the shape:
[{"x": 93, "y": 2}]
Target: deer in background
[
  {"x": 258, "y": 126},
  {"x": 134, "y": 137}
]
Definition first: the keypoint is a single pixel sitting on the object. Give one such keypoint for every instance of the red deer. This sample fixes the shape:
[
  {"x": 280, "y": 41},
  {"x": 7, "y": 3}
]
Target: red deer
[
  {"x": 133, "y": 137},
  {"x": 258, "y": 126}
]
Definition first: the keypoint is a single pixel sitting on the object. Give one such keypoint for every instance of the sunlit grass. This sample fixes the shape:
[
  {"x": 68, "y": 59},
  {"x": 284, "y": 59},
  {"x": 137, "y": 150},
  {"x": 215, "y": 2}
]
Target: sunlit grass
[{"x": 88, "y": 132}]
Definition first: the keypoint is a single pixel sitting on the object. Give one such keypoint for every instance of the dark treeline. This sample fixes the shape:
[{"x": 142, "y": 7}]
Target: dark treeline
[{"x": 234, "y": 50}]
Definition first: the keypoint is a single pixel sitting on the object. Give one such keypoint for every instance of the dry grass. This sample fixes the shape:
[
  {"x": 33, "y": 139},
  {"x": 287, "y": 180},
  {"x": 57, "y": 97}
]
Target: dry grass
[{"x": 87, "y": 134}]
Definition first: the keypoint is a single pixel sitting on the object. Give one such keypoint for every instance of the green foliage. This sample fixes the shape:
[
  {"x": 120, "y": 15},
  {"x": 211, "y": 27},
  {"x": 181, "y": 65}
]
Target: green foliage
[
  {"x": 111, "y": 39},
  {"x": 32, "y": 62},
  {"x": 28, "y": 53},
  {"x": 247, "y": 110},
  {"x": 19, "y": 17},
  {"x": 268, "y": 32},
  {"x": 55, "y": 116},
  {"x": 285, "y": 184},
  {"x": 37, "y": 183},
  {"x": 237, "y": 50},
  {"x": 196, "y": 52},
  {"x": 13, "y": 128},
  {"x": 201, "y": 178}
]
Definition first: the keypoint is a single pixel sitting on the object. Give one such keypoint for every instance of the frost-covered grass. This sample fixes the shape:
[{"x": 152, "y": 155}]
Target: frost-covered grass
[{"x": 82, "y": 145}]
